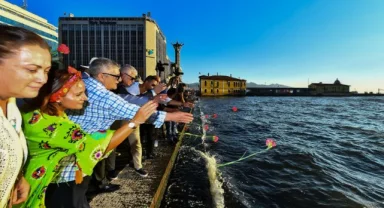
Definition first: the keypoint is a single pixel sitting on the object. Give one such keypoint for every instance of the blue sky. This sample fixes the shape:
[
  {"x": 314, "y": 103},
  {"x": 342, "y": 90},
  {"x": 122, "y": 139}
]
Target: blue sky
[{"x": 264, "y": 41}]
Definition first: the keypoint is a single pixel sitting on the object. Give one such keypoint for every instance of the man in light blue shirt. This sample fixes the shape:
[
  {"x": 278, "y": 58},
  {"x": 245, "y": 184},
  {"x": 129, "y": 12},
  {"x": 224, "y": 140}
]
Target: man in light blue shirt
[{"x": 104, "y": 107}]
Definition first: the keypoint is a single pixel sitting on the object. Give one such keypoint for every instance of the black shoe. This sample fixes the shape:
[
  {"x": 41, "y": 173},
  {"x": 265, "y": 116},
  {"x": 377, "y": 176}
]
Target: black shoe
[
  {"x": 109, "y": 188},
  {"x": 142, "y": 172},
  {"x": 112, "y": 175}
]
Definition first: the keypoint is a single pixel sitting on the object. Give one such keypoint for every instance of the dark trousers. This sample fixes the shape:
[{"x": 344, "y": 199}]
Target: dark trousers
[
  {"x": 111, "y": 161},
  {"x": 171, "y": 129},
  {"x": 67, "y": 195},
  {"x": 100, "y": 170},
  {"x": 146, "y": 131}
]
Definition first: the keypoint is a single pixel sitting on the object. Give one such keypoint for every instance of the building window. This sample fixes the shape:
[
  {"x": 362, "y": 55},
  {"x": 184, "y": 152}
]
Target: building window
[
  {"x": 211, "y": 90},
  {"x": 205, "y": 82},
  {"x": 205, "y": 90},
  {"x": 217, "y": 90}
]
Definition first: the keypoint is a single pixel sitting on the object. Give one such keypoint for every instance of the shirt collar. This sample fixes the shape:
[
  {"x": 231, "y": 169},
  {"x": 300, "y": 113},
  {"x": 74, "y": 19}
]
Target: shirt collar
[{"x": 134, "y": 89}]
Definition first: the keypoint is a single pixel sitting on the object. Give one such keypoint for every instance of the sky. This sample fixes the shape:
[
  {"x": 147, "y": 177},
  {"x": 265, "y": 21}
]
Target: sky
[{"x": 290, "y": 42}]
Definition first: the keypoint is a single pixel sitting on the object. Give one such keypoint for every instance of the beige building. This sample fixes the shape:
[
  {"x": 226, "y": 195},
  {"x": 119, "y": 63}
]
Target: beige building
[
  {"x": 138, "y": 41},
  {"x": 11, "y": 14},
  {"x": 220, "y": 85},
  {"x": 329, "y": 89}
]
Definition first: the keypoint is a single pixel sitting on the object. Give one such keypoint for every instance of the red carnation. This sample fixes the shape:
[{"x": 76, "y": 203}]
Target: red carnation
[{"x": 63, "y": 49}]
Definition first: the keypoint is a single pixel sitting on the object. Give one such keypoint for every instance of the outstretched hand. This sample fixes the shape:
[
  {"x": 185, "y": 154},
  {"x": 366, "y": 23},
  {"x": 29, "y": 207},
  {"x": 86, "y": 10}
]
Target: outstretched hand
[
  {"x": 160, "y": 87},
  {"x": 145, "y": 112},
  {"x": 180, "y": 117},
  {"x": 188, "y": 105},
  {"x": 160, "y": 98}
]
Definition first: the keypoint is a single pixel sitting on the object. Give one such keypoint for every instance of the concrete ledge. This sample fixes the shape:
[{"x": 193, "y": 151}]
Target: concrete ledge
[{"x": 136, "y": 191}]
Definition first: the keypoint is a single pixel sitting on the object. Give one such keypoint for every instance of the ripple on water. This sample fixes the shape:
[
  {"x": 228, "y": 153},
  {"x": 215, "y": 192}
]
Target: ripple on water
[{"x": 330, "y": 153}]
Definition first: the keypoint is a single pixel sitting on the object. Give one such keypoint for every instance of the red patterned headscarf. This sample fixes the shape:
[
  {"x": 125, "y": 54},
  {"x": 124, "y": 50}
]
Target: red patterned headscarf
[{"x": 76, "y": 76}]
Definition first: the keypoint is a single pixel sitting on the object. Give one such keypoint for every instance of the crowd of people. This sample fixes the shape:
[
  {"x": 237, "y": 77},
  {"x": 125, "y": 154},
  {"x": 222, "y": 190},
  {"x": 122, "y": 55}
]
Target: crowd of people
[{"x": 59, "y": 126}]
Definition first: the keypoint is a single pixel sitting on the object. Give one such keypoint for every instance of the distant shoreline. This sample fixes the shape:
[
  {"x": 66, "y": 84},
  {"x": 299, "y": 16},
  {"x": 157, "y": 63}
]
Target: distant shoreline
[
  {"x": 274, "y": 95},
  {"x": 351, "y": 95}
]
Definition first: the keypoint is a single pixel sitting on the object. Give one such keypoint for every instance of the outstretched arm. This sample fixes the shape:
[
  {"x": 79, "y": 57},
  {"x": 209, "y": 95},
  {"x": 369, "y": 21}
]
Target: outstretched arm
[{"x": 123, "y": 132}]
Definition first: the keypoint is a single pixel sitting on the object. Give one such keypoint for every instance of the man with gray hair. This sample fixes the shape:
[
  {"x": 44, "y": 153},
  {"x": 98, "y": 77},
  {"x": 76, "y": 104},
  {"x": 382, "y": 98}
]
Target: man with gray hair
[
  {"x": 130, "y": 88},
  {"x": 133, "y": 92},
  {"x": 104, "y": 107},
  {"x": 128, "y": 75}
]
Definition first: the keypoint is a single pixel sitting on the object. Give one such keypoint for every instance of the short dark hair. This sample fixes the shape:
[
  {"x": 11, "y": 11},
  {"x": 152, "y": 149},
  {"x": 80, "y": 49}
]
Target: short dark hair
[
  {"x": 12, "y": 38},
  {"x": 171, "y": 92},
  {"x": 181, "y": 87},
  {"x": 150, "y": 78}
]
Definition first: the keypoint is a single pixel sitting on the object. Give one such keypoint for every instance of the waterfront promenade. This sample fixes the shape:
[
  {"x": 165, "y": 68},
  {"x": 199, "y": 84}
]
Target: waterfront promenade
[{"x": 136, "y": 191}]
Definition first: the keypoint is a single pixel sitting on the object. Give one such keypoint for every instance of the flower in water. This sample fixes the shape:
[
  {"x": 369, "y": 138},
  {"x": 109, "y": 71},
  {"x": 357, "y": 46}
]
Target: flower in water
[
  {"x": 234, "y": 109},
  {"x": 206, "y": 116},
  {"x": 214, "y": 115},
  {"x": 270, "y": 143},
  {"x": 215, "y": 139},
  {"x": 206, "y": 127}
]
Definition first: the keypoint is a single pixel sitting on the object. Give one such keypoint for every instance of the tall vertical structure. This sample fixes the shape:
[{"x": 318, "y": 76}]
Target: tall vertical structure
[
  {"x": 177, "y": 46},
  {"x": 11, "y": 14},
  {"x": 137, "y": 41}
]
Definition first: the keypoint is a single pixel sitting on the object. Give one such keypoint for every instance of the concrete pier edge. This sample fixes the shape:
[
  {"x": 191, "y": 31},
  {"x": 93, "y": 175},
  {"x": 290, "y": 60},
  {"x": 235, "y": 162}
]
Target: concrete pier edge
[{"x": 159, "y": 195}]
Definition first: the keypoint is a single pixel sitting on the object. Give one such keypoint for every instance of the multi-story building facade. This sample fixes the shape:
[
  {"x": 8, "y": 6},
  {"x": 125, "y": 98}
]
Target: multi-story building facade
[
  {"x": 220, "y": 85},
  {"x": 11, "y": 14},
  {"x": 137, "y": 41},
  {"x": 329, "y": 89}
]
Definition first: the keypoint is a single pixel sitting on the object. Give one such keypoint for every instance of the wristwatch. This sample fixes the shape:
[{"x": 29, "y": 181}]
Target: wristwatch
[{"x": 132, "y": 125}]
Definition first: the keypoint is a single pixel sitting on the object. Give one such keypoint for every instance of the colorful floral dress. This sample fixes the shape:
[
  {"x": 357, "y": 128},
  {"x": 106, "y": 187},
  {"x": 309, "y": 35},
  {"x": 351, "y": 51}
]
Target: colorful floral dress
[{"x": 50, "y": 139}]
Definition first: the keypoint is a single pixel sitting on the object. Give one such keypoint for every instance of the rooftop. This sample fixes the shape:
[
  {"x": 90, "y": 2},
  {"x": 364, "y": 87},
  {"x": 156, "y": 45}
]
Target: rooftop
[
  {"x": 220, "y": 77},
  {"x": 337, "y": 82}
]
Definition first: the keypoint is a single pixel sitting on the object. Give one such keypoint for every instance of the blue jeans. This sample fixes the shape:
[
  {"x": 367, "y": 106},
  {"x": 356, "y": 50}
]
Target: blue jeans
[{"x": 171, "y": 129}]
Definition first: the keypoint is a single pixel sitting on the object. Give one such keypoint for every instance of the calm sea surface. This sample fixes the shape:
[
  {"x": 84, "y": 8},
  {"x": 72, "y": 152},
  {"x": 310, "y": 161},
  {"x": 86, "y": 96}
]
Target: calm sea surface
[{"x": 329, "y": 153}]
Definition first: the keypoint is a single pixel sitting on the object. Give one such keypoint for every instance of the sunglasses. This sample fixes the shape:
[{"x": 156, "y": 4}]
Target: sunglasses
[
  {"x": 117, "y": 77},
  {"x": 132, "y": 78}
]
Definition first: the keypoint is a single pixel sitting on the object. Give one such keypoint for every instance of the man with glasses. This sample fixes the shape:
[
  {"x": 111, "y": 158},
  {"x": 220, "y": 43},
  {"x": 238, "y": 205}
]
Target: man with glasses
[
  {"x": 104, "y": 107},
  {"x": 129, "y": 91}
]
